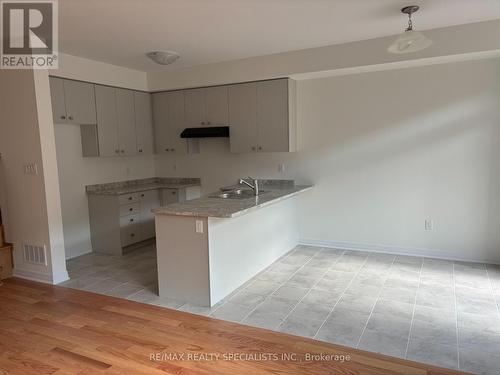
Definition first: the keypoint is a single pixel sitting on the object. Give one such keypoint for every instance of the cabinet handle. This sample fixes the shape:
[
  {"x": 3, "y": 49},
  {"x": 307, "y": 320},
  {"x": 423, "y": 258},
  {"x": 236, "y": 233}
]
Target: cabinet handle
[
  {"x": 70, "y": 117},
  {"x": 208, "y": 122},
  {"x": 253, "y": 148},
  {"x": 203, "y": 122},
  {"x": 117, "y": 151},
  {"x": 173, "y": 149},
  {"x": 123, "y": 151},
  {"x": 131, "y": 220},
  {"x": 167, "y": 150},
  {"x": 63, "y": 117},
  {"x": 129, "y": 198},
  {"x": 130, "y": 209},
  {"x": 173, "y": 193},
  {"x": 142, "y": 195},
  {"x": 140, "y": 150},
  {"x": 260, "y": 148},
  {"x": 132, "y": 234}
]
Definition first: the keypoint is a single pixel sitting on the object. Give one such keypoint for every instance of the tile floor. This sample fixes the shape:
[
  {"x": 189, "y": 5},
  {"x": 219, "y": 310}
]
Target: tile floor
[{"x": 428, "y": 310}]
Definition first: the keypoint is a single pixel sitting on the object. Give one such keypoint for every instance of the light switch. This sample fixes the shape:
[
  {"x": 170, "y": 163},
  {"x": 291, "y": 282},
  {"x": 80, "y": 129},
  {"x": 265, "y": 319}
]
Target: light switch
[
  {"x": 30, "y": 168},
  {"x": 199, "y": 226}
]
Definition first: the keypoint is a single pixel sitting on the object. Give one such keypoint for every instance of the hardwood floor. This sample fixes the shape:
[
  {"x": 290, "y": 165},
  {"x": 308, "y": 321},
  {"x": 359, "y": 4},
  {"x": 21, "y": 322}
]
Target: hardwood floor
[{"x": 47, "y": 329}]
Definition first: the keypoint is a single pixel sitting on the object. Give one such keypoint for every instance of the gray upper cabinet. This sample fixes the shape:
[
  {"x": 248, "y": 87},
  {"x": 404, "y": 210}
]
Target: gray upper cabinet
[
  {"x": 73, "y": 102},
  {"x": 196, "y": 108},
  {"x": 115, "y": 121},
  {"x": 127, "y": 140},
  {"x": 217, "y": 106},
  {"x": 58, "y": 100},
  {"x": 206, "y": 107},
  {"x": 80, "y": 102},
  {"x": 143, "y": 122},
  {"x": 169, "y": 121},
  {"x": 107, "y": 121},
  {"x": 243, "y": 117},
  {"x": 273, "y": 120},
  {"x": 262, "y": 116}
]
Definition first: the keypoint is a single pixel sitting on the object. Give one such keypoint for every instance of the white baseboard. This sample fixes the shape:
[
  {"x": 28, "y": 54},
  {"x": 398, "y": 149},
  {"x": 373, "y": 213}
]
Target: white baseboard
[
  {"x": 397, "y": 250},
  {"x": 78, "y": 254},
  {"x": 41, "y": 277}
]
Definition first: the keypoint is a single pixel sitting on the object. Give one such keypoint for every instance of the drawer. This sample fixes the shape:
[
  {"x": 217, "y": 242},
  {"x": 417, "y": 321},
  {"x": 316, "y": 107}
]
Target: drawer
[
  {"x": 130, "y": 209},
  {"x": 128, "y": 198},
  {"x": 130, "y": 234},
  {"x": 129, "y": 220}
]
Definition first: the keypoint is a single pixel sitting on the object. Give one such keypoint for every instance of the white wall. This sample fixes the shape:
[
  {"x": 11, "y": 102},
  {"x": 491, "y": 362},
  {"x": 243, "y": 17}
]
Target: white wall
[
  {"x": 450, "y": 44},
  {"x": 75, "y": 171},
  {"x": 387, "y": 150},
  {"x": 26, "y": 136}
]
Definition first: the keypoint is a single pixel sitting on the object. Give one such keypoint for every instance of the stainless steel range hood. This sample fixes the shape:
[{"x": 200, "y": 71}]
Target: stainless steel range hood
[{"x": 206, "y": 132}]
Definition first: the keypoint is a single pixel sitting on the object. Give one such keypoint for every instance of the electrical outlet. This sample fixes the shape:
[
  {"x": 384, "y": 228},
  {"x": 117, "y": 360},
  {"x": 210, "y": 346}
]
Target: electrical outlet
[
  {"x": 429, "y": 224},
  {"x": 199, "y": 226},
  {"x": 281, "y": 168},
  {"x": 30, "y": 168}
]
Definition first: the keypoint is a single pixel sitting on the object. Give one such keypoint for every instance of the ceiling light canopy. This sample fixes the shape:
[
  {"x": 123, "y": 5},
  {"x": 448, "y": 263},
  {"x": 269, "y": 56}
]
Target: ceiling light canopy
[
  {"x": 411, "y": 40},
  {"x": 163, "y": 57}
]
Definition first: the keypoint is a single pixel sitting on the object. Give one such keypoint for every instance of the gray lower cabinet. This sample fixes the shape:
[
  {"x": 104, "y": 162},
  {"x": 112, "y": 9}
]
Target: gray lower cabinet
[{"x": 119, "y": 221}]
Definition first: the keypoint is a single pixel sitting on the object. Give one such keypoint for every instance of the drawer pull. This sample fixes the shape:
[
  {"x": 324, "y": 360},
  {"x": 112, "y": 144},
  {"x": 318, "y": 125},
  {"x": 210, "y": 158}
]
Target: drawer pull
[
  {"x": 142, "y": 195},
  {"x": 131, "y": 220},
  {"x": 173, "y": 193},
  {"x": 129, "y": 198},
  {"x": 130, "y": 209},
  {"x": 132, "y": 235}
]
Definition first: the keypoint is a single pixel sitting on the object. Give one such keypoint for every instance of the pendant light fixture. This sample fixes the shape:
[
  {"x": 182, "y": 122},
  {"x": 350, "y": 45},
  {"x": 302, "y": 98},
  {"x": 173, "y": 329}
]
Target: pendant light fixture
[{"x": 411, "y": 40}]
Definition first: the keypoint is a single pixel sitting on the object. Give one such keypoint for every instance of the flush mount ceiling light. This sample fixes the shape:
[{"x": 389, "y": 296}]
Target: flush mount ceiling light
[
  {"x": 163, "y": 57},
  {"x": 411, "y": 40}
]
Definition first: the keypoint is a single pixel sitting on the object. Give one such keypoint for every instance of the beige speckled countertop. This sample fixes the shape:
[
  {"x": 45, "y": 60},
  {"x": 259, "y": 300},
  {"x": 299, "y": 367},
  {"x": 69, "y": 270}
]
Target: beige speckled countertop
[
  {"x": 133, "y": 186},
  {"x": 208, "y": 206}
]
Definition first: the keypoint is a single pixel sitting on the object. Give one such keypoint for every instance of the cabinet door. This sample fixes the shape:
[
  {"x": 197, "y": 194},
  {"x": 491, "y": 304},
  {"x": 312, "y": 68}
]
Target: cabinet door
[
  {"x": 272, "y": 116},
  {"x": 217, "y": 106},
  {"x": 160, "y": 122},
  {"x": 169, "y": 196},
  {"x": 57, "y": 98},
  {"x": 196, "y": 111},
  {"x": 143, "y": 122},
  {"x": 127, "y": 141},
  {"x": 107, "y": 122},
  {"x": 176, "y": 122},
  {"x": 80, "y": 102},
  {"x": 243, "y": 117},
  {"x": 149, "y": 200}
]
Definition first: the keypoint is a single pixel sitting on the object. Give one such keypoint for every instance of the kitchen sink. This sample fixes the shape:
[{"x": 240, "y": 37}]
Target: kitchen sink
[{"x": 236, "y": 194}]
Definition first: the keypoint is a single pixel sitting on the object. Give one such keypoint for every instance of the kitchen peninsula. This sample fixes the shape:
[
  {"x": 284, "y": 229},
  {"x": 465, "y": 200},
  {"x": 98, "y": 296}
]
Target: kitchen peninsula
[{"x": 208, "y": 247}]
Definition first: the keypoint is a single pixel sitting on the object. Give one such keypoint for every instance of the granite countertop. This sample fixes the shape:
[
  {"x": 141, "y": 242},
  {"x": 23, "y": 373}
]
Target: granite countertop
[
  {"x": 209, "y": 206},
  {"x": 134, "y": 186}
]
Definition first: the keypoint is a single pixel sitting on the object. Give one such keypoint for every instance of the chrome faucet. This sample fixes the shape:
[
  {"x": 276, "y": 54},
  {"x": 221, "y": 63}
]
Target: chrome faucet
[{"x": 254, "y": 187}]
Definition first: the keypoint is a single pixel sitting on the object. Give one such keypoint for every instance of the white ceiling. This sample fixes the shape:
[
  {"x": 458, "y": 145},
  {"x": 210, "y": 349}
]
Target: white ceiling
[{"x": 204, "y": 31}]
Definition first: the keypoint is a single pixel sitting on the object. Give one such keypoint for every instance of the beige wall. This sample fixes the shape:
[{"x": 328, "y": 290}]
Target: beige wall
[
  {"x": 76, "y": 171},
  {"x": 386, "y": 151},
  {"x": 26, "y": 136}
]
